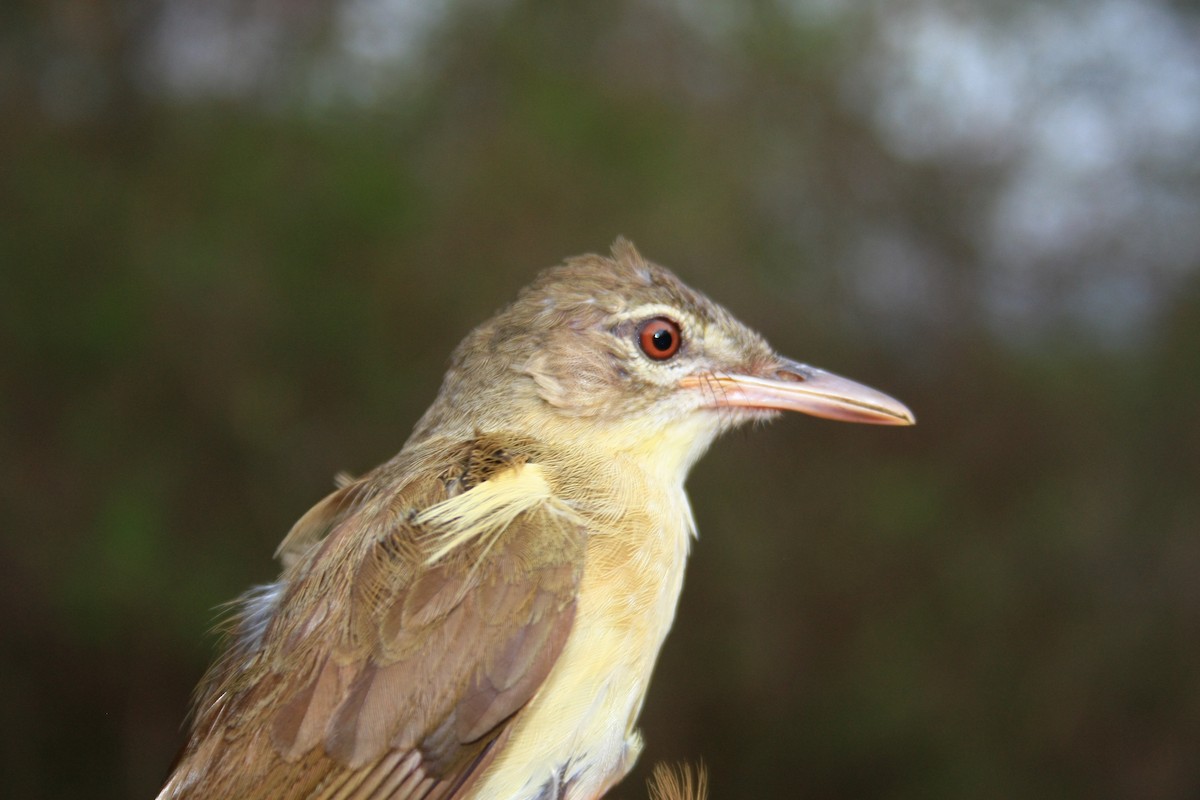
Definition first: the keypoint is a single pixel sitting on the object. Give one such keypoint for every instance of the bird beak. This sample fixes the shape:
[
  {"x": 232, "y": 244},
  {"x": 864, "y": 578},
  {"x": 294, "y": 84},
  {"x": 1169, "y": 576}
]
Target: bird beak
[{"x": 792, "y": 386}]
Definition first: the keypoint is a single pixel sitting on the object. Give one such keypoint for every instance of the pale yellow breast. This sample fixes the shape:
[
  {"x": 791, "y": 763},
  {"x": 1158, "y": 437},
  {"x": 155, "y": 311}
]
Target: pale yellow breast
[{"x": 584, "y": 715}]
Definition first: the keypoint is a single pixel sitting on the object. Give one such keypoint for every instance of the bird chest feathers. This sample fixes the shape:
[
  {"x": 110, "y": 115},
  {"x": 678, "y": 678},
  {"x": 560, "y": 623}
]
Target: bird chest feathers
[{"x": 580, "y": 728}]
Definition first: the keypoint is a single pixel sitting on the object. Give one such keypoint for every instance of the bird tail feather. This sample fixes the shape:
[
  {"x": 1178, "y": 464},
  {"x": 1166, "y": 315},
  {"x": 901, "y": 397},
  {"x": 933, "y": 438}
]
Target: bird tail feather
[{"x": 678, "y": 782}]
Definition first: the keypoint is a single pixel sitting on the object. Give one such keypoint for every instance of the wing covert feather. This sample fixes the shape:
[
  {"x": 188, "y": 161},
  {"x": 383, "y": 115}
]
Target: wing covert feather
[{"x": 381, "y": 675}]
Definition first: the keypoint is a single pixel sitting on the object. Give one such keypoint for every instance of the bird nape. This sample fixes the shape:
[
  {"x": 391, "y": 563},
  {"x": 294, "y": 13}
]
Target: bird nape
[{"x": 479, "y": 617}]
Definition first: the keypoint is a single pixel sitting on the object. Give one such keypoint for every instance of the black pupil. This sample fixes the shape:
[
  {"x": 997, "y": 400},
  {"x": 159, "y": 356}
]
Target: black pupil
[{"x": 662, "y": 339}]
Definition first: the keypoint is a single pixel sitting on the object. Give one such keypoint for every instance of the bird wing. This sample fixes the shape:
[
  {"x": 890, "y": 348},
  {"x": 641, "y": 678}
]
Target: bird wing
[{"x": 412, "y": 624}]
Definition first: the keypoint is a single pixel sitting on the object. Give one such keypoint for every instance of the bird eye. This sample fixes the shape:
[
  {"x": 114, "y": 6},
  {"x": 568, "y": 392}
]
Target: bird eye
[{"x": 659, "y": 338}]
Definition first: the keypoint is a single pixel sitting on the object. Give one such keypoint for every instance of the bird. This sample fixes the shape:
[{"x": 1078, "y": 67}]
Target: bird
[{"x": 479, "y": 616}]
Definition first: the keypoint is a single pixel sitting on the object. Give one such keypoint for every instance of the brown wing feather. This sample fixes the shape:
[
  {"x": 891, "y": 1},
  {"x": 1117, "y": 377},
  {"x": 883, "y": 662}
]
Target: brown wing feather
[{"x": 379, "y": 675}]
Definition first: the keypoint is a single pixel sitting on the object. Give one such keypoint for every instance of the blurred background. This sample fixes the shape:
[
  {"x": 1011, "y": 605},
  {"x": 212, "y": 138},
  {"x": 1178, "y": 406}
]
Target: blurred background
[{"x": 238, "y": 241}]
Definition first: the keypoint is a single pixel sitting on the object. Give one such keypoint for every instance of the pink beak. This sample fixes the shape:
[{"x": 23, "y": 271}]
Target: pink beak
[{"x": 792, "y": 386}]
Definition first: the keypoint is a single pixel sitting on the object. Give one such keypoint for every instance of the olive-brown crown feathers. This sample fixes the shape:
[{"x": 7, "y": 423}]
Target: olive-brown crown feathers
[{"x": 571, "y": 346}]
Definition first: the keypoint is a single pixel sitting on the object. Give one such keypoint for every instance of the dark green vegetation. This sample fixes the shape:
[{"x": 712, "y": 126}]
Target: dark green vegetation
[{"x": 210, "y": 302}]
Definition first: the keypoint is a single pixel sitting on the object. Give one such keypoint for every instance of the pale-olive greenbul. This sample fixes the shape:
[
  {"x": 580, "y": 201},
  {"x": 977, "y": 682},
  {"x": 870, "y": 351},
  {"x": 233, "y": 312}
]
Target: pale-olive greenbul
[{"x": 479, "y": 617}]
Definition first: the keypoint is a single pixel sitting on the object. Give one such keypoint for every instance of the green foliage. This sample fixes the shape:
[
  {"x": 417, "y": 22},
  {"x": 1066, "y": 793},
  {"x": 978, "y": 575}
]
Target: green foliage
[{"x": 209, "y": 307}]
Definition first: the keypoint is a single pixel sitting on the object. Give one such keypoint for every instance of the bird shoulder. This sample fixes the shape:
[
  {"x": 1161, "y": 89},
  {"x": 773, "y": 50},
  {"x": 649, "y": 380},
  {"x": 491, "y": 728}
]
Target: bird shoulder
[{"x": 420, "y": 609}]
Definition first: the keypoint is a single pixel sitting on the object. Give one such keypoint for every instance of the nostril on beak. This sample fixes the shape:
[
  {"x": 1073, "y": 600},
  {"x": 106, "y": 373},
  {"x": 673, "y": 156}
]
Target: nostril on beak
[{"x": 790, "y": 376}]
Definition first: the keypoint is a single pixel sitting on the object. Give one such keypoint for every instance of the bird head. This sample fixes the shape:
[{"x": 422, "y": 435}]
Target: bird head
[{"x": 618, "y": 354}]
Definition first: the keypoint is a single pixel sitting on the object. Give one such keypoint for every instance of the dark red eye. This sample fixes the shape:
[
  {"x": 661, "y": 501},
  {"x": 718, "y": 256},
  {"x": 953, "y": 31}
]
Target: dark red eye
[{"x": 659, "y": 338}]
